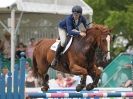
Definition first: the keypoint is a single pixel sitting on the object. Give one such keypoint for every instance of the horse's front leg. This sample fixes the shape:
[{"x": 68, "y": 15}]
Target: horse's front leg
[
  {"x": 95, "y": 73},
  {"x": 82, "y": 84},
  {"x": 77, "y": 70}
]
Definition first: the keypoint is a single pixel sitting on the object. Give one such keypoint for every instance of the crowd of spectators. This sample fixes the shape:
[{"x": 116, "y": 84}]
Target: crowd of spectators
[
  {"x": 5, "y": 47},
  {"x": 64, "y": 80},
  {"x": 5, "y": 51}
]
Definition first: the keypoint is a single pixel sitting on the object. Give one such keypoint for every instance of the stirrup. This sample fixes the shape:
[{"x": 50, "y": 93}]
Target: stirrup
[{"x": 54, "y": 62}]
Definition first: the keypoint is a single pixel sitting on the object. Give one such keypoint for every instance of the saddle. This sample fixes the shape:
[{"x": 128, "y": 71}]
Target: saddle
[
  {"x": 61, "y": 58},
  {"x": 67, "y": 44}
]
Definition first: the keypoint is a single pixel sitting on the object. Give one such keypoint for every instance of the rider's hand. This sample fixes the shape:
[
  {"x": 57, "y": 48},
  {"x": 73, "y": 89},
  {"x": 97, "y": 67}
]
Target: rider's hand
[{"x": 83, "y": 34}]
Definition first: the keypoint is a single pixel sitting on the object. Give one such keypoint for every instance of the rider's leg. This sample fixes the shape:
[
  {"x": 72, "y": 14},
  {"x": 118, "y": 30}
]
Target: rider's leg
[{"x": 62, "y": 35}]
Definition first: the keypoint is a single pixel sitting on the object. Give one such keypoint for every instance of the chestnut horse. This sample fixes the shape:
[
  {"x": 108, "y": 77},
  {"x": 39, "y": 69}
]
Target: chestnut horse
[{"x": 79, "y": 59}]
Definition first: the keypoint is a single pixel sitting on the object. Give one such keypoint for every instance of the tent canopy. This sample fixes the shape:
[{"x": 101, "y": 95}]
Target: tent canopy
[{"x": 51, "y": 6}]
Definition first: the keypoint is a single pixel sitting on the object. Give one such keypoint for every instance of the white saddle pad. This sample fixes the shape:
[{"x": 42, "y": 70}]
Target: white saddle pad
[{"x": 55, "y": 45}]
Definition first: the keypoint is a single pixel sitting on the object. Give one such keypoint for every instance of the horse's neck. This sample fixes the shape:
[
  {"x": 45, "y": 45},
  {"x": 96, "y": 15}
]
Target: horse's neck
[
  {"x": 85, "y": 47},
  {"x": 91, "y": 53}
]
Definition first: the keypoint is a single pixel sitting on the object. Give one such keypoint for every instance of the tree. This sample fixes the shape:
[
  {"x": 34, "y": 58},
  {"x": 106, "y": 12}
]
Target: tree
[
  {"x": 122, "y": 24},
  {"x": 100, "y": 13}
]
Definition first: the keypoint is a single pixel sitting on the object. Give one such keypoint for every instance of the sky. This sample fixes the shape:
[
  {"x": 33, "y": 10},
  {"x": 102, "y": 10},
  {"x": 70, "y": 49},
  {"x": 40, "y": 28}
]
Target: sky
[{"x": 5, "y": 3}]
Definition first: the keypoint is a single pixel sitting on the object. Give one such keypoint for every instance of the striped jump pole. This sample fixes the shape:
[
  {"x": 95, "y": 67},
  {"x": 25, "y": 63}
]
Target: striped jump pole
[
  {"x": 38, "y": 90},
  {"x": 80, "y": 95}
]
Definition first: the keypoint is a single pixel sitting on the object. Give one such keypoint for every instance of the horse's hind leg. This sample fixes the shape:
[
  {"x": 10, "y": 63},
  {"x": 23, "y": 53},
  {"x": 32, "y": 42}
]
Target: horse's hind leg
[
  {"x": 43, "y": 69},
  {"x": 95, "y": 73}
]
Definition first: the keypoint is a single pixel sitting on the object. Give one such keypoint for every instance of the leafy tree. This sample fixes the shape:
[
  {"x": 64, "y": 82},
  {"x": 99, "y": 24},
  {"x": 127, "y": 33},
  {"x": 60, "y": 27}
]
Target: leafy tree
[
  {"x": 122, "y": 24},
  {"x": 100, "y": 13}
]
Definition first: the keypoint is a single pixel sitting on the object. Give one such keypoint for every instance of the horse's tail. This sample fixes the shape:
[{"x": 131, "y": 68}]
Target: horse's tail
[{"x": 35, "y": 69}]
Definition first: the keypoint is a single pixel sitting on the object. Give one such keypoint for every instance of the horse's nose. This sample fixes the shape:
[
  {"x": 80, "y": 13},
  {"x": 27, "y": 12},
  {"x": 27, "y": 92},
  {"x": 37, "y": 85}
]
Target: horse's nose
[{"x": 106, "y": 58}]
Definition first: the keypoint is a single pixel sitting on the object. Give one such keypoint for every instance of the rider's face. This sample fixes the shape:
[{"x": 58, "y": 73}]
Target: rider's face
[{"x": 76, "y": 16}]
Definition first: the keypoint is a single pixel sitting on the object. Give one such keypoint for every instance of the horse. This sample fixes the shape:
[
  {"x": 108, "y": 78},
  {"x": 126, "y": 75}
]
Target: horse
[{"x": 79, "y": 59}]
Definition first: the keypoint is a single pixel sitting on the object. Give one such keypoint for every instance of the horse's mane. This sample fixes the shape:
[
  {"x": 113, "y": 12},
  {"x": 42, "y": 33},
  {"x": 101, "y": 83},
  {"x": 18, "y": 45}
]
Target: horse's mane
[
  {"x": 38, "y": 42},
  {"x": 103, "y": 28}
]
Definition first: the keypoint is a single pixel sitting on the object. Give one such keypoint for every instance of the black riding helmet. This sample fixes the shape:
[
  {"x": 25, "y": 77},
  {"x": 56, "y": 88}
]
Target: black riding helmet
[{"x": 77, "y": 9}]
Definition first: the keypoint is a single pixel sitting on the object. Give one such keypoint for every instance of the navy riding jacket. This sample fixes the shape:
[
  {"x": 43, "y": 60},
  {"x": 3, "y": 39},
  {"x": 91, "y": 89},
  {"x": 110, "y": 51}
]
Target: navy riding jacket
[{"x": 69, "y": 24}]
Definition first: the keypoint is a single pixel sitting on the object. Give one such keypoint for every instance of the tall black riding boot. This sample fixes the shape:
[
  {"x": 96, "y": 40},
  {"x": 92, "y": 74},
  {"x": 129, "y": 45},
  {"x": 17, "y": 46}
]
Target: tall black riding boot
[{"x": 58, "y": 51}]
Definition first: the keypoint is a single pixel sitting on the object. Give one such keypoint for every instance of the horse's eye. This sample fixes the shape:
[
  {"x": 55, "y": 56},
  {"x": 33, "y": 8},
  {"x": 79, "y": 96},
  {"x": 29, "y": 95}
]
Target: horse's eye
[{"x": 103, "y": 40}]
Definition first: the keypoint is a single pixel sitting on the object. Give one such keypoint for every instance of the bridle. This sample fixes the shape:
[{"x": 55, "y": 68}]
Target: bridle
[{"x": 107, "y": 53}]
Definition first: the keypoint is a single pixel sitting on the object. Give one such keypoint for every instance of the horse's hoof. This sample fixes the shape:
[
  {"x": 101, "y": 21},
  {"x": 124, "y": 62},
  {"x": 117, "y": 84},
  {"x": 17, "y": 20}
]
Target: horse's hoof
[
  {"x": 45, "y": 88},
  {"x": 79, "y": 87},
  {"x": 90, "y": 87}
]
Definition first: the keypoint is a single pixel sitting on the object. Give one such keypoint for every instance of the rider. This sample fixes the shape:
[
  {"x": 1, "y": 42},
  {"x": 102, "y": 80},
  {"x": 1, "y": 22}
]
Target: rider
[{"x": 69, "y": 26}]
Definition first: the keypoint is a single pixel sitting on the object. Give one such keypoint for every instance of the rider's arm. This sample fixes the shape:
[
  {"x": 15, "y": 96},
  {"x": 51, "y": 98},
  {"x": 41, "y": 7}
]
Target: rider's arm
[{"x": 70, "y": 27}]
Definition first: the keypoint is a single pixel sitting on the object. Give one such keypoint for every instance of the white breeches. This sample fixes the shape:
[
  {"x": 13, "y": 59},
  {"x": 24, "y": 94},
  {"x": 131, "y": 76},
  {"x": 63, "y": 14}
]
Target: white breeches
[{"x": 62, "y": 35}]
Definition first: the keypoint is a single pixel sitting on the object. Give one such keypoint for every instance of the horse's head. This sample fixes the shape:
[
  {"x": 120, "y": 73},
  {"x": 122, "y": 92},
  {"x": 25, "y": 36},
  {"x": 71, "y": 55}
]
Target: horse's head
[{"x": 102, "y": 38}]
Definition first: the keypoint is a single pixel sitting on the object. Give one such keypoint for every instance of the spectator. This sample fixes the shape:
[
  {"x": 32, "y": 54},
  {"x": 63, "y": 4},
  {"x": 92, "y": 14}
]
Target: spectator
[
  {"x": 69, "y": 80},
  {"x": 5, "y": 70},
  {"x": 7, "y": 45},
  {"x": 60, "y": 80},
  {"x": 78, "y": 79},
  {"x": 30, "y": 80},
  {"x": 128, "y": 65},
  {"x": 128, "y": 83},
  {"x": 20, "y": 48},
  {"x": 52, "y": 84},
  {"x": 30, "y": 48},
  {"x": 5, "y": 73}
]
